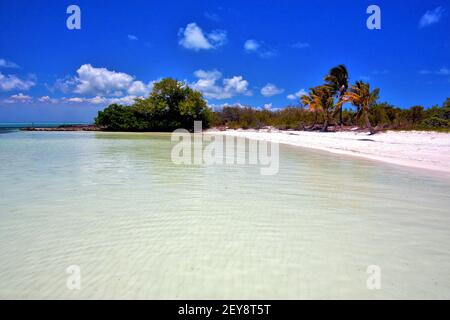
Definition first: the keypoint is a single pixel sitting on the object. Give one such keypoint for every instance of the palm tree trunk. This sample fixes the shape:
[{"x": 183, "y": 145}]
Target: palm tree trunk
[
  {"x": 315, "y": 121},
  {"x": 366, "y": 119},
  {"x": 341, "y": 122},
  {"x": 325, "y": 124}
]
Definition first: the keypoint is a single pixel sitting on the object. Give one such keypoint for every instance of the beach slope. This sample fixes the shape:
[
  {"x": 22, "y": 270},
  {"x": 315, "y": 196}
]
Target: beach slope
[{"x": 420, "y": 149}]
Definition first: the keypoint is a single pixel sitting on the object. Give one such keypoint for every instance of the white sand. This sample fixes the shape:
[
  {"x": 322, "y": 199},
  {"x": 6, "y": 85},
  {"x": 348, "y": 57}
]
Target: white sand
[{"x": 420, "y": 149}]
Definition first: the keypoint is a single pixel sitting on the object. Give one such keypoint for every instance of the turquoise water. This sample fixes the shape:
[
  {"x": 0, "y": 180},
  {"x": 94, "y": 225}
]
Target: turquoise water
[
  {"x": 34, "y": 124},
  {"x": 139, "y": 226}
]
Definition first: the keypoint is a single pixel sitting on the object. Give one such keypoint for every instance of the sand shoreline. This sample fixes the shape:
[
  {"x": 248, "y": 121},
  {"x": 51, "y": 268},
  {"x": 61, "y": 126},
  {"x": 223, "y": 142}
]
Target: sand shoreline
[
  {"x": 428, "y": 150},
  {"x": 419, "y": 149}
]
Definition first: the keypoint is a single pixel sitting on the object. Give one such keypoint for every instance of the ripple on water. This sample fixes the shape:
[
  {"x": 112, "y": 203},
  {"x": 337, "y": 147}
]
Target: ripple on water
[{"x": 141, "y": 227}]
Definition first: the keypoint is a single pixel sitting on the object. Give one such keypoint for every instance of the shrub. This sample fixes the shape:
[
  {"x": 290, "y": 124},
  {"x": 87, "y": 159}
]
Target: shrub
[{"x": 171, "y": 105}]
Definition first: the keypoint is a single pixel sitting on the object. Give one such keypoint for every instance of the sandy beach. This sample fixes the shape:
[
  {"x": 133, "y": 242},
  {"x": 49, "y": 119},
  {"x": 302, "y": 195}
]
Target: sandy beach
[{"x": 419, "y": 149}]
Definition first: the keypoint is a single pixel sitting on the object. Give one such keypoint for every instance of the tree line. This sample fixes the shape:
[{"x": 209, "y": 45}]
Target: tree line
[
  {"x": 382, "y": 116},
  {"x": 173, "y": 104}
]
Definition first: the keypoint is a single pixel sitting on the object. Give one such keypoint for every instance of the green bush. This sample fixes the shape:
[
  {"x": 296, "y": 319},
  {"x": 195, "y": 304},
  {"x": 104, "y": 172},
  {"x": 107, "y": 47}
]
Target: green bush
[
  {"x": 382, "y": 115},
  {"x": 435, "y": 122},
  {"x": 171, "y": 105}
]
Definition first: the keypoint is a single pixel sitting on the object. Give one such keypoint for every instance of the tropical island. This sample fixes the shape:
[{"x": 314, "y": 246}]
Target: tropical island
[
  {"x": 335, "y": 105},
  {"x": 335, "y": 116},
  {"x": 224, "y": 151}
]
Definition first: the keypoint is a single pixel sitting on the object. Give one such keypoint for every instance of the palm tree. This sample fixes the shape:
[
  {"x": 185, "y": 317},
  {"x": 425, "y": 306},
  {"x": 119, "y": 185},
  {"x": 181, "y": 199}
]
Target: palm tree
[
  {"x": 363, "y": 99},
  {"x": 337, "y": 79},
  {"x": 323, "y": 101},
  {"x": 308, "y": 101}
]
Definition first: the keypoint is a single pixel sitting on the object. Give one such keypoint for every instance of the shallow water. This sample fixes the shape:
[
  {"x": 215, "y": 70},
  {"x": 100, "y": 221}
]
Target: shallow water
[{"x": 139, "y": 226}]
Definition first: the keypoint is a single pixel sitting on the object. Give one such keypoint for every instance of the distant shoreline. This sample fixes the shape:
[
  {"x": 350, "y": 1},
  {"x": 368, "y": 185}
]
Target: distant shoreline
[
  {"x": 93, "y": 127},
  {"x": 428, "y": 150},
  {"x": 68, "y": 127}
]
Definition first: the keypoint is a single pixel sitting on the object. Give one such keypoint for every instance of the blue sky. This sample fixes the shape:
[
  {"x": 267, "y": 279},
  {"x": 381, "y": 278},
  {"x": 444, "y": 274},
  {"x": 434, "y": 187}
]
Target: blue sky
[{"x": 258, "y": 53}]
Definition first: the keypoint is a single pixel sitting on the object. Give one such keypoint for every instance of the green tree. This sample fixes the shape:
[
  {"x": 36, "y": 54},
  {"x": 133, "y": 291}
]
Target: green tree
[
  {"x": 415, "y": 114},
  {"x": 323, "y": 101},
  {"x": 119, "y": 118},
  {"x": 363, "y": 99},
  {"x": 171, "y": 105},
  {"x": 308, "y": 101},
  {"x": 337, "y": 79},
  {"x": 446, "y": 111}
]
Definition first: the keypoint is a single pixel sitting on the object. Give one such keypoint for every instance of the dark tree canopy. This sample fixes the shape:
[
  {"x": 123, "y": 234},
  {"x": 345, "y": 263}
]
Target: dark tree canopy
[{"x": 171, "y": 105}]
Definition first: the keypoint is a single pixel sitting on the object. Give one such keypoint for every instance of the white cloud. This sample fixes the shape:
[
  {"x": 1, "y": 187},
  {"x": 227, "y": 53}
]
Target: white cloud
[
  {"x": 132, "y": 37},
  {"x": 212, "y": 74},
  {"x": 211, "y": 16},
  {"x": 297, "y": 95},
  {"x": 74, "y": 99},
  {"x": 218, "y": 107},
  {"x": 44, "y": 99},
  {"x": 444, "y": 71},
  {"x": 270, "y": 90},
  {"x": 100, "y": 100},
  {"x": 99, "y": 86},
  {"x": 8, "y": 64},
  {"x": 235, "y": 85},
  {"x": 207, "y": 84},
  {"x": 431, "y": 17},
  {"x": 19, "y": 98},
  {"x": 127, "y": 100},
  {"x": 192, "y": 37},
  {"x": 12, "y": 82},
  {"x": 97, "y": 100},
  {"x": 139, "y": 88},
  {"x": 217, "y": 38},
  {"x": 301, "y": 45},
  {"x": 253, "y": 46},
  {"x": 267, "y": 106},
  {"x": 64, "y": 85},
  {"x": 101, "y": 82},
  {"x": 47, "y": 99},
  {"x": 380, "y": 72},
  {"x": 364, "y": 78}
]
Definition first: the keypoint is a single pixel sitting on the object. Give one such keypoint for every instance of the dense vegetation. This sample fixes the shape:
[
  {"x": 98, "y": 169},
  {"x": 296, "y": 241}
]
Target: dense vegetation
[
  {"x": 323, "y": 107},
  {"x": 381, "y": 116},
  {"x": 172, "y": 105}
]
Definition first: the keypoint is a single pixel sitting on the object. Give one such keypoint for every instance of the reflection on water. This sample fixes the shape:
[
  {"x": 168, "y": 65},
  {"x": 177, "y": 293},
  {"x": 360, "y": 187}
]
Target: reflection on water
[{"x": 139, "y": 226}]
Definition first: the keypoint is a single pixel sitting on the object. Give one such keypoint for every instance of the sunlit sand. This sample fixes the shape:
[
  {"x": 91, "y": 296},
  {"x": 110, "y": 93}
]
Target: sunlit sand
[{"x": 419, "y": 149}]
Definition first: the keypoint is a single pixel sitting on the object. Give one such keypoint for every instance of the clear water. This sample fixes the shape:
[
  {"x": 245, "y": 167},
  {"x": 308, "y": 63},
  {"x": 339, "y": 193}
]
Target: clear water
[
  {"x": 9, "y": 125},
  {"x": 139, "y": 226}
]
